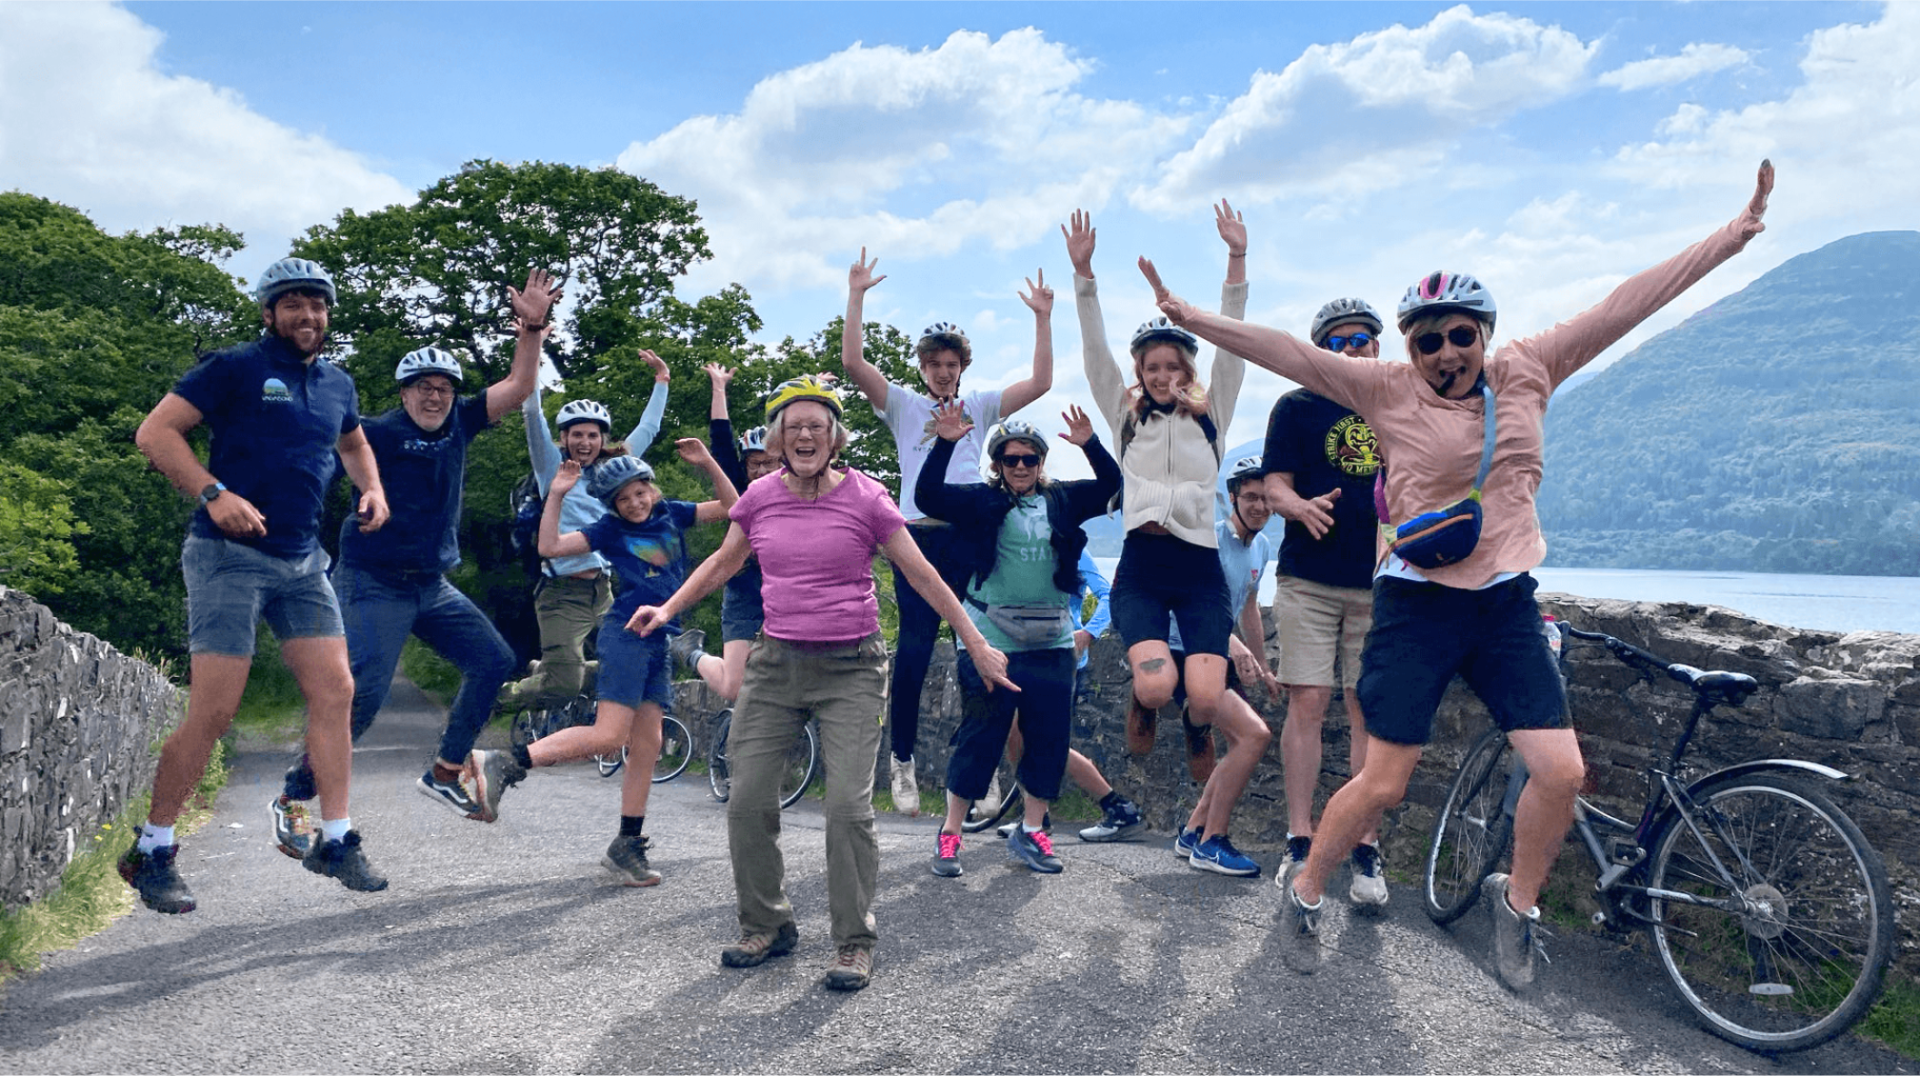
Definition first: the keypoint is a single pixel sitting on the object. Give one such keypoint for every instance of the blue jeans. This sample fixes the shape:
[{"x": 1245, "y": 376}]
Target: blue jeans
[{"x": 381, "y": 611}]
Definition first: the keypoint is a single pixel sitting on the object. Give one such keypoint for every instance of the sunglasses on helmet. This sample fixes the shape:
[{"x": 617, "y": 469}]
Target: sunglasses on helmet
[{"x": 1458, "y": 336}]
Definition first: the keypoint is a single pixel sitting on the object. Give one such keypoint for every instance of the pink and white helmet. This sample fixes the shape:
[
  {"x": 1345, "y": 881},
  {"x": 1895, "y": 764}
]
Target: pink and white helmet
[{"x": 1443, "y": 292}]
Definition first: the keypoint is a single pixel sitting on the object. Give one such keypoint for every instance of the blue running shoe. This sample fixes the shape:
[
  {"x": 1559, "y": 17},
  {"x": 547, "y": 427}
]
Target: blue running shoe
[
  {"x": 1217, "y": 854},
  {"x": 1184, "y": 845}
]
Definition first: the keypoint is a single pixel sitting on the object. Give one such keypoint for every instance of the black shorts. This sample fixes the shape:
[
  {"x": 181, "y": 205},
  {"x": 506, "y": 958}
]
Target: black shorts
[
  {"x": 1162, "y": 577},
  {"x": 1425, "y": 633},
  {"x": 1180, "y": 674}
]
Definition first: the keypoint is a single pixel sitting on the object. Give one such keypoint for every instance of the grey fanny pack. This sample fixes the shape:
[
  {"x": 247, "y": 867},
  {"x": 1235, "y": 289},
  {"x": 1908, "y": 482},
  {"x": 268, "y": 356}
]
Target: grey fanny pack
[{"x": 1028, "y": 626}]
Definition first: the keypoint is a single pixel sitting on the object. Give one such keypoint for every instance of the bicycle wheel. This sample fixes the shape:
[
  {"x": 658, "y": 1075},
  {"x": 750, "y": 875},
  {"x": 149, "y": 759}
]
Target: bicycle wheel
[
  {"x": 803, "y": 758},
  {"x": 719, "y": 779},
  {"x": 611, "y": 764},
  {"x": 1010, "y": 806},
  {"x": 1470, "y": 832},
  {"x": 676, "y": 749},
  {"x": 1801, "y": 955},
  {"x": 525, "y": 727}
]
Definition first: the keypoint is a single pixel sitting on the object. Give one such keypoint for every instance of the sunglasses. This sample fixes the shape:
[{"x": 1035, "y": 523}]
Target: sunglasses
[
  {"x": 1458, "y": 336},
  {"x": 1020, "y": 459},
  {"x": 1341, "y": 343}
]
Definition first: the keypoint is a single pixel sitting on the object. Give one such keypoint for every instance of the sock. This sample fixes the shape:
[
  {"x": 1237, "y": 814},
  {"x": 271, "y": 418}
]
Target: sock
[
  {"x": 1024, "y": 828},
  {"x": 335, "y": 829},
  {"x": 152, "y": 837},
  {"x": 630, "y": 824},
  {"x": 444, "y": 773},
  {"x": 1111, "y": 800},
  {"x": 523, "y": 756}
]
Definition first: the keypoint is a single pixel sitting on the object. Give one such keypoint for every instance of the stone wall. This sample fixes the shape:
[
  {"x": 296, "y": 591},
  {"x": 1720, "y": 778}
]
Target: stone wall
[
  {"x": 78, "y": 721},
  {"x": 1851, "y": 701}
]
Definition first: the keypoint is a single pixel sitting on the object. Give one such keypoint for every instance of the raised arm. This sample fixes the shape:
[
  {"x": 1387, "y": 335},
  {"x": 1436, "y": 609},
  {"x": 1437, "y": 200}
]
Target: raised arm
[
  {"x": 648, "y": 428},
  {"x": 552, "y": 543},
  {"x": 853, "y": 334},
  {"x": 726, "y": 451},
  {"x": 695, "y": 453},
  {"x": 725, "y": 563},
  {"x": 1229, "y": 370},
  {"x": 541, "y": 450},
  {"x": 1104, "y": 375},
  {"x": 532, "y": 310},
  {"x": 1021, "y": 393},
  {"x": 1090, "y": 499}
]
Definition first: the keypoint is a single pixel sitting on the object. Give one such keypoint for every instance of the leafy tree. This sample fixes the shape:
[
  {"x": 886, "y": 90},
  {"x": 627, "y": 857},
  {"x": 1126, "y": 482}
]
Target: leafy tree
[{"x": 36, "y": 525}]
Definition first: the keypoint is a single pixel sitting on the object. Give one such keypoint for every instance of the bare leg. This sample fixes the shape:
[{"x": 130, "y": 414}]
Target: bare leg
[
  {"x": 212, "y": 700},
  {"x": 1354, "y": 810},
  {"x": 1247, "y": 738},
  {"x": 319, "y": 663},
  {"x": 1301, "y": 754},
  {"x": 612, "y": 725},
  {"x": 1545, "y": 812},
  {"x": 1154, "y": 675},
  {"x": 1357, "y": 750},
  {"x": 643, "y": 749}
]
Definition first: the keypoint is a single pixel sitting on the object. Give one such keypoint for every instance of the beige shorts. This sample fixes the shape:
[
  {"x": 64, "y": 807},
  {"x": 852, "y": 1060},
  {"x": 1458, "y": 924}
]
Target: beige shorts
[{"x": 1317, "y": 621}]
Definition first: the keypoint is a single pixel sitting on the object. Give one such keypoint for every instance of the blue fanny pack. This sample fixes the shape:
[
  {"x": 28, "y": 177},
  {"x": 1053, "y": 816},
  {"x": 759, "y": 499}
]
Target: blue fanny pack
[{"x": 1448, "y": 535}]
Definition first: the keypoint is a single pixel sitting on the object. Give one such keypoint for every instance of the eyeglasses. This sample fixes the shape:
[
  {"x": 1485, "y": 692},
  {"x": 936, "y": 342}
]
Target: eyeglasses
[
  {"x": 1341, "y": 343},
  {"x": 1458, "y": 336},
  {"x": 1020, "y": 459},
  {"x": 432, "y": 390},
  {"x": 811, "y": 429}
]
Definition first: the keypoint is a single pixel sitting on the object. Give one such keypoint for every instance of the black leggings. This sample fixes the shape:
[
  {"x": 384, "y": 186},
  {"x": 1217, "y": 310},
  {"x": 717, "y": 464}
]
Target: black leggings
[{"x": 919, "y": 627}]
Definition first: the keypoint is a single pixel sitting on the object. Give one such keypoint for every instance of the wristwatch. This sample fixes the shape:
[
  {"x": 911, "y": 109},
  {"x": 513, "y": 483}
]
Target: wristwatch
[{"x": 208, "y": 494}]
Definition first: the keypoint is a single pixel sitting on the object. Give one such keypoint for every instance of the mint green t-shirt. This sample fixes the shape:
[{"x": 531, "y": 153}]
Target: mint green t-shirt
[{"x": 1022, "y": 572}]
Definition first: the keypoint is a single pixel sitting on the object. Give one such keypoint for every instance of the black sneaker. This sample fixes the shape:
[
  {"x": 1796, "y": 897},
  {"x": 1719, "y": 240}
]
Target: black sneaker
[
  {"x": 153, "y": 876},
  {"x": 344, "y": 860},
  {"x": 299, "y": 784},
  {"x": 627, "y": 857},
  {"x": 292, "y": 830},
  {"x": 1033, "y": 849},
  {"x": 686, "y": 648},
  {"x": 1297, "y": 850},
  {"x": 1119, "y": 822},
  {"x": 493, "y": 772},
  {"x": 452, "y": 795}
]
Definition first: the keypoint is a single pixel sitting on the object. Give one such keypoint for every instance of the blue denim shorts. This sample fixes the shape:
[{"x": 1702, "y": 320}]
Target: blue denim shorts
[
  {"x": 742, "y": 614},
  {"x": 231, "y": 587},
  {"x": 632, "y": 670}
]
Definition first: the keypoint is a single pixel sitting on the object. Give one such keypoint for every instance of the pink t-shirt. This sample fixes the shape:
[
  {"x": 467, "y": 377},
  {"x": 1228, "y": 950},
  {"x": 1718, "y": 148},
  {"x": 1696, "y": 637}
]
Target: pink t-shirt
[{"x": 816, "y": 557}]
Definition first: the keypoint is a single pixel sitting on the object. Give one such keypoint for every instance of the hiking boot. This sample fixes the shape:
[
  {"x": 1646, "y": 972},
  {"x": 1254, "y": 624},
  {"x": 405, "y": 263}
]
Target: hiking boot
[
  {"x": 686, "y": 648},
  {"x": 300, "y": 784},
  {"x": 451, "y": 794},
  {"x": 1046, "y": 824},
  {"x": 946, "y": 856},
  {"x": 292, "y": 829},
  {"x": 1369, "y": 889},
  {"x": 1034, "y": 849},
  {"x": 906, "y": 789},
  {"x": 1200, "y": 756},
  {"x": 343, "y": 859},
  {"x": 755, "y": 949},
  {"x": 1217, "y": 854},
  {"x": 1119, "y": 822},
  {"x": 1515, "y": 936},
  {"x": 1299, "y": 928},
  {"x": 492, "y": 773},
  {"x": 627, "y": 857},
  {"x": 1185, "y": 843},
  {"x": 1140, "y": 727},
  {"x": 852, "y": 969},
  {"x": 154, "y": 877}
]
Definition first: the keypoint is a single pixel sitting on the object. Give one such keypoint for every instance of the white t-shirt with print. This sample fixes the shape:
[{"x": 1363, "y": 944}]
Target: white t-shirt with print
[{"x": 909, "y": 415}]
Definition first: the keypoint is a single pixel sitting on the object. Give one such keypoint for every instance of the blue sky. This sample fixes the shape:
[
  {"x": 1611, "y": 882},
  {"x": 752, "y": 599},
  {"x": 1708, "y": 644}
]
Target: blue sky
[{"x": 1551, "y": 149}]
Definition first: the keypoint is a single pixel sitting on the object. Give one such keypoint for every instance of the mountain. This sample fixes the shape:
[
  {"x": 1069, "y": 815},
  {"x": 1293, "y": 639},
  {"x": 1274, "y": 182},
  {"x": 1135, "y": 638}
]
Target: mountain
[{"x": 1776, "y": 430}]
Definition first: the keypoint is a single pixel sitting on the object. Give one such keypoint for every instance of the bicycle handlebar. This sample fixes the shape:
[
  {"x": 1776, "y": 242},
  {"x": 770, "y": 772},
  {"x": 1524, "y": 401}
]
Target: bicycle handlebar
[{"x": 1632, "y": 654}]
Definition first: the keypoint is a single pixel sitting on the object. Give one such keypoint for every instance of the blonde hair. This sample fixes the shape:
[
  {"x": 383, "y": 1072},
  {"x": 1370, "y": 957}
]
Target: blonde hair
[{"x": 1189, "y": 395}]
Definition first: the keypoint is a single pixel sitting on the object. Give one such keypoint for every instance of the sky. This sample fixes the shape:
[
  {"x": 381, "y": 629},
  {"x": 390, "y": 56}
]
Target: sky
[{"x": 1552, "y": 150}]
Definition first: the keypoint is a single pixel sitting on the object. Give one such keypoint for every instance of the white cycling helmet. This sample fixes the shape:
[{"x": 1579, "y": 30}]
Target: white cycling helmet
[
  {"x": 294, "y": 274},
  {"x": 1442, "y": 292},
  {"x": 427, "y": 360},
  {"x": 944, "y": 335},
  {"x": 584, "y": 411},
  {"x": 610, "y": 476},
  {"x": 1015, "y": 430},
  {"x": 754, "y": 440},
  {"x": 1343, "y": 312},
  {"x": 1242, "y": 469},
  {"x": 1160, "y": 330}
]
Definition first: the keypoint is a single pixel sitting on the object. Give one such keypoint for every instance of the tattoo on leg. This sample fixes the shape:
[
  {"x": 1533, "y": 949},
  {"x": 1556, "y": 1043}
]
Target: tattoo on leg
[{"x": 1153, "y": 665}]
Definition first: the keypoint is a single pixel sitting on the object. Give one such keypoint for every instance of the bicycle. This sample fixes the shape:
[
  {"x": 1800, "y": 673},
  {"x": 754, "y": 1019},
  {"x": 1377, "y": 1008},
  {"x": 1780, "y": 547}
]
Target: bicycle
[
  {"x": 1767, "y": 907},
  {"x": 676, "y": 750},
  {"x": 803, "y": 762},
  {"x": 1011, "y": 808},
  {"x": 533, "y": 723}
]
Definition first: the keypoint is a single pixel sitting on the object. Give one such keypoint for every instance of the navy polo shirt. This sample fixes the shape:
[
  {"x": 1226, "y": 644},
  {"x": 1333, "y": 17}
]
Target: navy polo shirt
[
  {"x": 649, "y": 559},
  {"x": 423, "y": 475},
  {"x": 275, "y": 420}
]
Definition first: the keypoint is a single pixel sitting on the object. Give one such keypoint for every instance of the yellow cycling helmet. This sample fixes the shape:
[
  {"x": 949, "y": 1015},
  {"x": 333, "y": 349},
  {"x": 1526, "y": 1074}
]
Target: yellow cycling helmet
[{"x": 803, "y": 388}]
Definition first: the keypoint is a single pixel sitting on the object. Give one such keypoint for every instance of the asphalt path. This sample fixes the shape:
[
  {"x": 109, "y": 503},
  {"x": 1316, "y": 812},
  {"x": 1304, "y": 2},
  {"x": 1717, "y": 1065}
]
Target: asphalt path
[{"x": 506, "y": 948}]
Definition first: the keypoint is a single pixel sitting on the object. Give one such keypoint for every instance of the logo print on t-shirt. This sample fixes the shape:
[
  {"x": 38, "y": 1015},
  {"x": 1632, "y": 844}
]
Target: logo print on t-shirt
[
  {"x": 652, "y": 552},
  {"x": 274, "y": 390},
  {"x": 1352, "y": 448}
]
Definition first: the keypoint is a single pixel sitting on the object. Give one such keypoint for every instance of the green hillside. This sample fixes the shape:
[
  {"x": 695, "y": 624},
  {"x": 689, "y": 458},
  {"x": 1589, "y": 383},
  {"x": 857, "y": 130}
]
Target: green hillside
[{"x": 1777, "y": 430}]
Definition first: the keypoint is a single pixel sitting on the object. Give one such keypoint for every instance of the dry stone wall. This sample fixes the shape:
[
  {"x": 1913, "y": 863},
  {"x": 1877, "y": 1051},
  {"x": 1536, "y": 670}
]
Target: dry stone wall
[{"x": 78, "y": 721}]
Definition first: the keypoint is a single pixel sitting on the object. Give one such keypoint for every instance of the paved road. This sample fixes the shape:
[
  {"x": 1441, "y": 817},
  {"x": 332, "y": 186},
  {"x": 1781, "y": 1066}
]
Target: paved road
[{"x": 503, "y": 948}]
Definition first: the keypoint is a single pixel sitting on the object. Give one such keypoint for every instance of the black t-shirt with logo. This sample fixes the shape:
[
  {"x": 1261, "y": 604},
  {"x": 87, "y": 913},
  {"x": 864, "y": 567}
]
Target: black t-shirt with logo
[
  {"x": 1325, "y": 446},
  {"x": 423, "y": 475}
]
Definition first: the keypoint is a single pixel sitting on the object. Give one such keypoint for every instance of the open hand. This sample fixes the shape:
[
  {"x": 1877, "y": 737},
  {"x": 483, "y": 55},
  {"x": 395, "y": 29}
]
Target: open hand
[
  {"x": 1040, "y": 297},
  {"x": 542, "y": 291},
  {"x": 861, "y": 276},
  {"x": 564, "y": 479},
  {"x": 718, "y": 374},
  {"x": 1232, "y": 228},
  {"x": 693, "y": 450},
  {"x": 1080, "y": 243},
  {"x": 660, "y": 371},
  {"x": 1079, "y": 426},
  {"x": 950, "y": 421},
  {"x": 1316, "y": 513}
]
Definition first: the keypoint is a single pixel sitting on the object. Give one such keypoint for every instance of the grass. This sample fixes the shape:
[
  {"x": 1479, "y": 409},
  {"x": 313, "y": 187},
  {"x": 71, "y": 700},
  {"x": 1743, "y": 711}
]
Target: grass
[
  {"x": 91, "y": 895},
  {"x": 1895, "y": 1018}
]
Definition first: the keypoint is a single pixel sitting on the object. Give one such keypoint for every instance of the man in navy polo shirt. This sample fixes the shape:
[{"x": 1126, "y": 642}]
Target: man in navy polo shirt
[
  {"x": 278, "y": 415},
  {"x": 391, "y": 581}
]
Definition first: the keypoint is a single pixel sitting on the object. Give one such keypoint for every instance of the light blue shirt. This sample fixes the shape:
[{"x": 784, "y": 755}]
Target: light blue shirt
[
  {"x": 1091, "y": 581},
  {"x": 579, "y": 509},
  {"x": 1243, "y": 563}
]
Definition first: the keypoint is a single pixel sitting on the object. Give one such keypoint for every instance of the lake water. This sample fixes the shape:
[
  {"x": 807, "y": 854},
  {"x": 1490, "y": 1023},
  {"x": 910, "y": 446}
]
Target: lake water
[{"x": 1827, "y": 602}]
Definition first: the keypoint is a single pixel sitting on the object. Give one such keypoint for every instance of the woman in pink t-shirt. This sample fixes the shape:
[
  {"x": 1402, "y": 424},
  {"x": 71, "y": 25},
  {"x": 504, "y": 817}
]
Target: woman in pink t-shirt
[
  {"x": 1474, "y": 615},
  {"x": 820, "y": 655}
]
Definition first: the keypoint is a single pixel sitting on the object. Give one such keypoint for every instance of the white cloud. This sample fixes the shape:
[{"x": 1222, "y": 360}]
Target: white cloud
[
  {"x": 1694, "y": 60},
  {"x": 988, "y": 132},
  {"x": 1402, "y": 96},
  {"x": 87, "y": 118}
]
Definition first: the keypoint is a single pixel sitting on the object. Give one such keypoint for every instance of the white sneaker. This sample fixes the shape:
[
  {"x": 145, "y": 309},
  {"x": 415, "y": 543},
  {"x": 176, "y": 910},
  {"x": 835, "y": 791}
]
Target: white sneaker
[
  {"x": 1369, "y": 889},
  {"x": 906, "y": 789},
  {"x": 990, "y": 803}
]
